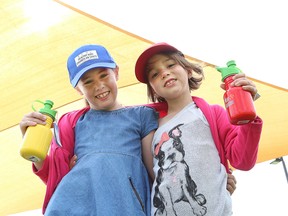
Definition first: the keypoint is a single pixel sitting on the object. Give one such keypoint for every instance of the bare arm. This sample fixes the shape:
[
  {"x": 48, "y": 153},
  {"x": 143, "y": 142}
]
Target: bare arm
[{"x": 147, "y": 154}]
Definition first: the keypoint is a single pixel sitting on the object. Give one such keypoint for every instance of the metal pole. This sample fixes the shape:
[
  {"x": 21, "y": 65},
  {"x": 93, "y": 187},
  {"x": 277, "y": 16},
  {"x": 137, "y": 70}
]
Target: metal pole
[{"x": 285, "y": 169}]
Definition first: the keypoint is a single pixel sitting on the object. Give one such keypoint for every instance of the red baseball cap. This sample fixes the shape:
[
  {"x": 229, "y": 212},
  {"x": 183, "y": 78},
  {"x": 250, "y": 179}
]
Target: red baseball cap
[{"x": 142, "y": 60}]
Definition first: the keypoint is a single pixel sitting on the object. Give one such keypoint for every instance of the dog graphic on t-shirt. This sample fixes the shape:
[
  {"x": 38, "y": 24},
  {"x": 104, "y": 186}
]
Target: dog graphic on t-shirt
[{"x": 179, "y": 186}]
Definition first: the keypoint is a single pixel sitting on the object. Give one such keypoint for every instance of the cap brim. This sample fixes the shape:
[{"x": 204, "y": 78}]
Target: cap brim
[
  {"x": 78, "y": 76},
  {"x": 144, "y": 57}
]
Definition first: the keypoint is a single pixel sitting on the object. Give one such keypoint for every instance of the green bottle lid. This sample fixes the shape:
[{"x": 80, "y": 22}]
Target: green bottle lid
[
  {"x": 229, "y": 70},
  {"x": 47, "y": 109}
]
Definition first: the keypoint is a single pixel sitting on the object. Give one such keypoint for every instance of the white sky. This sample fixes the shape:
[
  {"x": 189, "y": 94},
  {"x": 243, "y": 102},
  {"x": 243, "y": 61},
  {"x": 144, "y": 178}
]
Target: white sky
[{"x": 261, "y": 191}]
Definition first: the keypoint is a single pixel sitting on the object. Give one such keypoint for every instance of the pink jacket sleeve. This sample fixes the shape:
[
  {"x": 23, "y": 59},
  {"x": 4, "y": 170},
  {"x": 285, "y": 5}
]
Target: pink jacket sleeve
[
  {"x": 237, "y": 144},
  {"x": 241, "y": 142}
]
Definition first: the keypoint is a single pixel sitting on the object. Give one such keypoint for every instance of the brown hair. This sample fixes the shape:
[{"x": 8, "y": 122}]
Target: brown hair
[{"x": 194, "y": 82}]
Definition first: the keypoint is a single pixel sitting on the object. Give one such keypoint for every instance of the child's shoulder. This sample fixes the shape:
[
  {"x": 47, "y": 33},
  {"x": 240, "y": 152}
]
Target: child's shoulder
[
  {"x": 202, "y": 102},
  {"x": 75, "y": 113},
  {"x": 72, "y": 116},
  {"x": 141, "y": 108},
  {"x": 159, "y": 108}
]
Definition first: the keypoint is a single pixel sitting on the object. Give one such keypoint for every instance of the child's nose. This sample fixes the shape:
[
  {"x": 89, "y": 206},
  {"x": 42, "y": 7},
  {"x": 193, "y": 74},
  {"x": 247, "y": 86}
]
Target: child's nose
[
  {"x": 164, "y": 73},
  {"x": 98, "y": 86}
]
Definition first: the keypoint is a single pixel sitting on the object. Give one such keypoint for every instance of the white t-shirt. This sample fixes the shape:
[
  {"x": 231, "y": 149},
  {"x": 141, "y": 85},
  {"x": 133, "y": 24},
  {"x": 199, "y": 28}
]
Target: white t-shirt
[{"x": 189, "y": 178}]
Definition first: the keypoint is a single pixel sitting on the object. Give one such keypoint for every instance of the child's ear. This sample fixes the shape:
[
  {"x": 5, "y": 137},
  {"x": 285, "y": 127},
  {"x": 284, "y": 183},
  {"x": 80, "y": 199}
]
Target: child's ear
[
  {"x": 78, "y": 90},
  {"x": 116, "y": 71},
  {"x": 189, "y": 73}
]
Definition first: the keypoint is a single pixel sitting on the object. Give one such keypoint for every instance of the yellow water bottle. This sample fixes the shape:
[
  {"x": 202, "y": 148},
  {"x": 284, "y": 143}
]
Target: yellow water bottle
[{"x": 37, "y": 139}]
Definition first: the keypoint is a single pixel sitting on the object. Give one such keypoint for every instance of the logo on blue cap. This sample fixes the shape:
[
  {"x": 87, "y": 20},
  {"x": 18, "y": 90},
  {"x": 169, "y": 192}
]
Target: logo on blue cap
[{"x": 85, "y": 56}]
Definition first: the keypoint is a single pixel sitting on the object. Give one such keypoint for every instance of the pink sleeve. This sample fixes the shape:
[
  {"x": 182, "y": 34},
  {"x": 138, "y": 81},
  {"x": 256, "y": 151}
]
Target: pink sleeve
[
  {"x": 240, "y": 143},
  {"x": 236, "y": 144},
  {"x": 43, "y": 172}
]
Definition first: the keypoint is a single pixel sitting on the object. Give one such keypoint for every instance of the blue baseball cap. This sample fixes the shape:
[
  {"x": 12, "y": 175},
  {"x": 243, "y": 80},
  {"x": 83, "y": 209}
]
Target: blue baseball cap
[{"x": 86, "y": 58}]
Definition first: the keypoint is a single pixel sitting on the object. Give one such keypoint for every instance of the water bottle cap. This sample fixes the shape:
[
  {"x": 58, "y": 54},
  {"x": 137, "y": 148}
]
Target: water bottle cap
[
  {"x": 231, "y": 63},
  {"x": 47, "y": 109},
  {"x": 231, "y": 69}
]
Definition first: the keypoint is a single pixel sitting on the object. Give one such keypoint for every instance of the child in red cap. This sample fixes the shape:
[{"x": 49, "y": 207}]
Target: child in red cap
[{"x": 195, "y": 140}]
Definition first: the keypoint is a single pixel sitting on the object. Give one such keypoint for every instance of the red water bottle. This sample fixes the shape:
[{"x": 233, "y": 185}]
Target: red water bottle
[{"x": 239, "y": 103}]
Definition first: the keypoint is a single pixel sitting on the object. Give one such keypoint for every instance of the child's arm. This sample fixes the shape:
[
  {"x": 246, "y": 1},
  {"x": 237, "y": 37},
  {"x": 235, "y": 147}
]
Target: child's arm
[
  {"x": 241, "y": 142},
  {"x": 147, "y": 154},
  {"x": 32, "y": 119}
]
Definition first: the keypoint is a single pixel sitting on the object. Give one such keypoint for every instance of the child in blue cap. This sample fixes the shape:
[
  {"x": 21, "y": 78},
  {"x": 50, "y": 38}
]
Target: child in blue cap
[{"x": 110, "y": 141}]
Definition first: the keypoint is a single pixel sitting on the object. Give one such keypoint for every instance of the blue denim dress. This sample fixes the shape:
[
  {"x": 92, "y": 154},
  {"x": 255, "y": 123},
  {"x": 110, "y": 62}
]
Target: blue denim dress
[{"x": 109, "y": 177}]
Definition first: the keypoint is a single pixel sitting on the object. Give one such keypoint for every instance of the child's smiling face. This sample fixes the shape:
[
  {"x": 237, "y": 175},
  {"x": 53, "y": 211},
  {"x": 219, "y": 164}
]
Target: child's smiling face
[{"x": 99, "y": 87}]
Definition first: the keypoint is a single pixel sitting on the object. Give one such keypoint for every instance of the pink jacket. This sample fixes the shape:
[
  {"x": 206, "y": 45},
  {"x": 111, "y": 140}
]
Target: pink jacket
[{"x": 236, "y": 144}]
